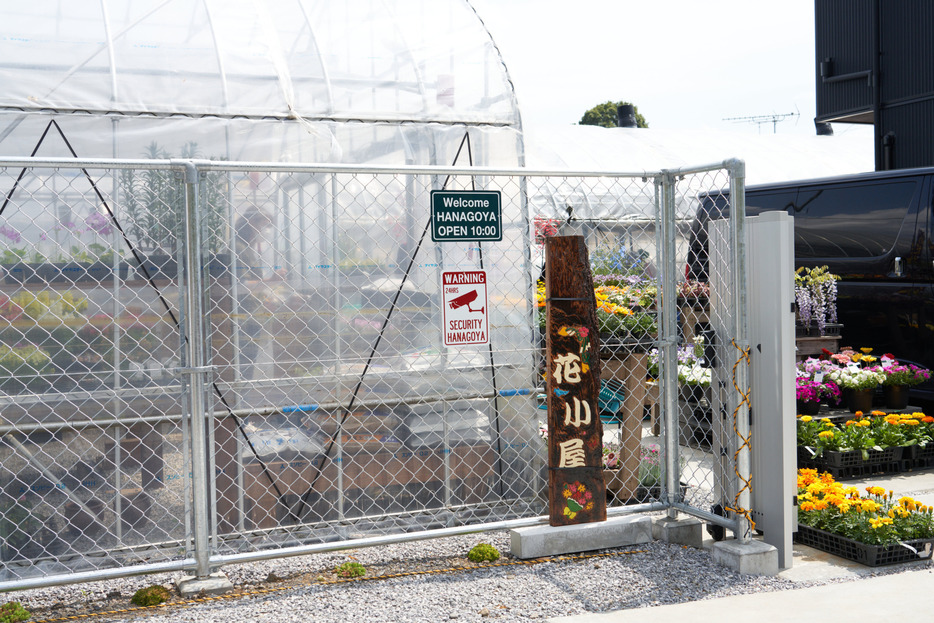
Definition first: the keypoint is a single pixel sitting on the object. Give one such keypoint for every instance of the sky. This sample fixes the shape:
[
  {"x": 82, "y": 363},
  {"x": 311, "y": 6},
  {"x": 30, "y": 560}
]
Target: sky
[{"x": 686, "y": 64}]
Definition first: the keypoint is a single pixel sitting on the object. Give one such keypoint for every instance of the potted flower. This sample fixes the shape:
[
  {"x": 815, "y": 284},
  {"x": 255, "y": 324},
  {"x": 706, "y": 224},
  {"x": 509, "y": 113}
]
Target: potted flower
[
  {"x": 69, "y": 260},
  {"x": 898, "y": 379},
  {"x": 810, "y": 394},
  {"x": 625, "y": 313},
  {"x": 816, "y": 301},
  {"x": 693, "y": 293},
  {"x": 872, "y": 529},
  {"x": 860, "y": 384}
]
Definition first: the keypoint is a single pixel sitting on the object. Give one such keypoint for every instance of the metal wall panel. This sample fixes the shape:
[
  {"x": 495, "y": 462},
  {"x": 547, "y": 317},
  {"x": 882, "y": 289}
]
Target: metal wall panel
[
  {"x": 913, "y": 127},
  {"x": 843, "y": 33}
]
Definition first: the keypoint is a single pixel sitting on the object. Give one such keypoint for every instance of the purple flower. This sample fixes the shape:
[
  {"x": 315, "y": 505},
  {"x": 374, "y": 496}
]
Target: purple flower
[
  {"x": 811, "y": 391},
  {"x": 10, "y": 234},
  {"x": 99, "y": 223}
]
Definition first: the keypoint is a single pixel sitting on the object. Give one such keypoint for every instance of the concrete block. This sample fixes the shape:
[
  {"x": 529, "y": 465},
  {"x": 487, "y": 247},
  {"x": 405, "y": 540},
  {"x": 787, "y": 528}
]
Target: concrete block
[
  {"x": 214, "y": 584},
  {"x": 539, "y": 541},
  {"x": 752, "y": 558},
  {"x": 684, "y": 531}
]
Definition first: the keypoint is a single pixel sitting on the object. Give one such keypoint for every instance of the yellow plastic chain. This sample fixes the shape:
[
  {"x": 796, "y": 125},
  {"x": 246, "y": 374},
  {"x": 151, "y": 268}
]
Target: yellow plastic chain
[{"x": 745, "y": 480}]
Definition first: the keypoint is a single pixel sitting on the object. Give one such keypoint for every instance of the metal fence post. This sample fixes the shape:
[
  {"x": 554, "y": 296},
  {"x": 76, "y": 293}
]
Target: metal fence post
[
  {"x": 195, "y": 351},
  {"x": 668, "y": 344},
  {"x": 737, "y": 171}
]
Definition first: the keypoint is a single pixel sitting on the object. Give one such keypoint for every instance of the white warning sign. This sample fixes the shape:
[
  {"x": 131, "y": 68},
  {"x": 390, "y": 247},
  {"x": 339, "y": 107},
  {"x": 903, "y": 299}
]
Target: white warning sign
[{"x": 463, "y": 296}]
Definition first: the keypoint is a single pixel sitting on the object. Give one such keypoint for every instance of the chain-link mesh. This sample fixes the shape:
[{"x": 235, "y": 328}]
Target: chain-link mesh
[{"x": 334, "y": 410}]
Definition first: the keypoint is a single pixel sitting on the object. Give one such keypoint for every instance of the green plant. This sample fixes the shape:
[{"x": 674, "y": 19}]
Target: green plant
[
  {"x": 483, "y": 552},
  {"x": 878, "y": 430},
  {"x": 25, "y": 365},
  {"x": 155, "y": 203},
  {"x": 350, "y": 570},
  {"x": 151, "y": 596},
  {"x": 18, "y": 525},
  {"x": 650, "y": 467},
  {"x": 13, "y": 256},
  {"x": 876, "y": 519},
  {"x": 13, "y": 611}
]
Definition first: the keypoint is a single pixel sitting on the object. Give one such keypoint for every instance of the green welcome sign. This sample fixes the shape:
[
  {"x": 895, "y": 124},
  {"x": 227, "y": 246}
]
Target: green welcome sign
[{"x": 466, "y": 216}]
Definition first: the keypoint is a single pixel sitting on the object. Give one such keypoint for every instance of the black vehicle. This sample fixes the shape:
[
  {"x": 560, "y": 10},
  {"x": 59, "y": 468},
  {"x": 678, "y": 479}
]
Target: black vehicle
[{"x": 874, "y": 231}]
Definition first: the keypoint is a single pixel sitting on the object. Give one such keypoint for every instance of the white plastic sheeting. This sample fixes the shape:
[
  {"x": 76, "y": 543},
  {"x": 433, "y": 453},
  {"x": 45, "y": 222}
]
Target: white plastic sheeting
[{"x": 290, "y": 80}]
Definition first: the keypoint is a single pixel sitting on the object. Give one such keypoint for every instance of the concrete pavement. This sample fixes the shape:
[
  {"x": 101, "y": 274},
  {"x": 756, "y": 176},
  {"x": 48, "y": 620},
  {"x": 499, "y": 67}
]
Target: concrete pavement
[{"x": 905, "y": 595}]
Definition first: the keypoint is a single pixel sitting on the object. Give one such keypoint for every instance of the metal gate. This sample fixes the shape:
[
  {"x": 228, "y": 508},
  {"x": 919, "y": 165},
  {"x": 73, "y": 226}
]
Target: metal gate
[{"x": 207, "y": 362}]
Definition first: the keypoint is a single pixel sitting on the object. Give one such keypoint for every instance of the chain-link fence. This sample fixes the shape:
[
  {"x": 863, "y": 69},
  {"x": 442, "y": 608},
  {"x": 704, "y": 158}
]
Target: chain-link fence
[{"x": 294, "y": 388}]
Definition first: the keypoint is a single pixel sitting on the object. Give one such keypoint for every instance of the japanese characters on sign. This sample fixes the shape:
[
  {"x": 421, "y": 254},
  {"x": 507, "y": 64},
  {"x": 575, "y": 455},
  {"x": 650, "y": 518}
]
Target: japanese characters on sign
[{"x": 577, "y": 493}]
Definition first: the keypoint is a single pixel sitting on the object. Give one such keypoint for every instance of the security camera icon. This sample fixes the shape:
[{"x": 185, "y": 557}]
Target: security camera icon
[{"x": 466, "y": 299}]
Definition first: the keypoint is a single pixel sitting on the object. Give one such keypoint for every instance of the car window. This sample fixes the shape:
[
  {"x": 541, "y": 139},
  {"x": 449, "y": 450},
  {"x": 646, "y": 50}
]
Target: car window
[
  {"x": 757, "y": 203},
  {"x": 851, "y": 221}
]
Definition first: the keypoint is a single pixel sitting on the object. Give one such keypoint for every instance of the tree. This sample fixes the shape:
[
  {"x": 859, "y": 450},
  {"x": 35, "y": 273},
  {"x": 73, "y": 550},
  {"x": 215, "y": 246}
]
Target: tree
[{"x": 605, "y": 115}]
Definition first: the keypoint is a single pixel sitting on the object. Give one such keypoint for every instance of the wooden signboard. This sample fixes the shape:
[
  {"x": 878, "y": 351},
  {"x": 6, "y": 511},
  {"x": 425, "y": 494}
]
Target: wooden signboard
[{"x": 576, "y": 490}]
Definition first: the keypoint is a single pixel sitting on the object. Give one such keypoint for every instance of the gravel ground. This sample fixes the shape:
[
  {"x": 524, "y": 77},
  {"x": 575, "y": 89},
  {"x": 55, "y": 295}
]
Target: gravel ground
[{"x": 304, "y": 589}]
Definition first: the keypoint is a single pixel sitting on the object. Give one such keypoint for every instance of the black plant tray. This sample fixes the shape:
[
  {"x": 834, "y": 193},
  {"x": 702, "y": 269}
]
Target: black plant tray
[
  {"x": 851, "y": 464},
  {"x": 869, "y": 555}
]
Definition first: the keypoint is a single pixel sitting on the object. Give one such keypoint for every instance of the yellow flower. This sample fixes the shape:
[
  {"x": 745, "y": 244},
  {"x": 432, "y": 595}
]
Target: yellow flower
[
  {"x": 866, "y": 350},
  {"x": 878, "y": 522},
  {"x": 869, "y": 506},
  {"x": 566, "y": 493},
  {"x": 825, "y": 434},
  {"x": 806, "y": 418}
]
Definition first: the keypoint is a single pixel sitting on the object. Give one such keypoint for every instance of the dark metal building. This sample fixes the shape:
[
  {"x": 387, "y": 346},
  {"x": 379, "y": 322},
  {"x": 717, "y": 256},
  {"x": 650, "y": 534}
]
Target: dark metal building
[{"x": 875, "y": 65}]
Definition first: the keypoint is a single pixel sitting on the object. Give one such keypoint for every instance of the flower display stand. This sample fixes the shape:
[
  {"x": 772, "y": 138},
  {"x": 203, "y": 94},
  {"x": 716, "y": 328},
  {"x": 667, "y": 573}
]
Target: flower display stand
[
  {"x": 629, "y": 368},
  {"x": 870, "y": 555},
  {"x": 810, "y": 343},
  {"x": 694, "y": 314}
]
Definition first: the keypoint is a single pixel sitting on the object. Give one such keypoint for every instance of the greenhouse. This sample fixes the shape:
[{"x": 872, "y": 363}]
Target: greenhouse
[{"x": 223, "y": 323}]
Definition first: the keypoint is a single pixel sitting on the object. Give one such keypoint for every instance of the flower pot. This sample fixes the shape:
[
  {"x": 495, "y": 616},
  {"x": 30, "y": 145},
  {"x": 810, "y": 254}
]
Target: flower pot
[
  {"x": 896, "y": 396},
  {"x": 831, "y": 329},
  {"x": 859, "y": 400},
  {"x": 808, "y": 407}
]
